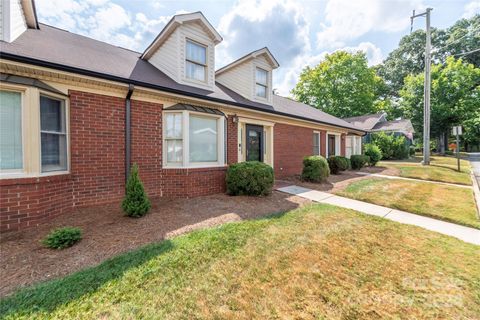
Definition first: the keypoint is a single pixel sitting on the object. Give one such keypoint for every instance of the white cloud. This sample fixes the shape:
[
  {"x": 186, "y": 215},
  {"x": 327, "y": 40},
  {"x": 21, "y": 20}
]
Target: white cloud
[
  {"x": 347, "y": 19},
  {"x": 373, "y": 53},
  {"x": 471, "y": 9}
]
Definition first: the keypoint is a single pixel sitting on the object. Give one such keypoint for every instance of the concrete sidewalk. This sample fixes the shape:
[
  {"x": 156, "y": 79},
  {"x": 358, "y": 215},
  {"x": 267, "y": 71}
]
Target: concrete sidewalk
[{"x": 466, "y": 234}]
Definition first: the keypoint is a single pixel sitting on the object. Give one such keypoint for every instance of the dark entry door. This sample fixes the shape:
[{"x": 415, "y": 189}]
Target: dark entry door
[
  {"x": 331, "y": 145},
  {"x": 254, "y": 143}
]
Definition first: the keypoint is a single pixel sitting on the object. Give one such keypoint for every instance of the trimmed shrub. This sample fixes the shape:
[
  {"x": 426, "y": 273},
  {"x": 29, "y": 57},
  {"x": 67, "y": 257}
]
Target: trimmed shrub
[
  {"x": 337, "y": 164},
  {"x": 251, "y": 178},
  {"x": 315, "y": 169},
  {"x": 136, "y": 203},
  {"x": 374, "y": 152},
  {"x": 392, "y": 147},
  {"x": 359, "y": 161},
  {"x": 62, "y": 238}
]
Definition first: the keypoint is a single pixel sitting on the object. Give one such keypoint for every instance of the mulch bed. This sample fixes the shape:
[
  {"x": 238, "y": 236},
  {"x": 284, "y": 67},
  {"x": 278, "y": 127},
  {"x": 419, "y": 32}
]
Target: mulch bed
[{"x": 106, "y": 233}]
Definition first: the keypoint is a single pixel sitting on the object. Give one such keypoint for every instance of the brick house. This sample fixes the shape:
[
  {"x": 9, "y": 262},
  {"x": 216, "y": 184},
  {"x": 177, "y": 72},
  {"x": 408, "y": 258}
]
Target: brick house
[{"x": 75, "y": 113}]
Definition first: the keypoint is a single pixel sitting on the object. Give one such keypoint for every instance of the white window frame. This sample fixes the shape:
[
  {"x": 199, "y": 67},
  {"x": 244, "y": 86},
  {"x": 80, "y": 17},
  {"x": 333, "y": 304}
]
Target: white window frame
[
  {"x": 338, "y": 143},
  {"x": 67, "y": 132},
  {"x": 21, "y": 171},
  {"x": 261, "y": 84},
  {"x": 186, "y": 141},
  {"x": 196, "y": 62},
  {"x": 319, "y": 143}
]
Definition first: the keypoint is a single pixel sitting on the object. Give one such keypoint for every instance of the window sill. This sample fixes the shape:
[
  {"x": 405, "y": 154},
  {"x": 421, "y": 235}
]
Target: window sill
[
  {"x": 23, "y": 178},
  {"x": 195, "y": 166}
]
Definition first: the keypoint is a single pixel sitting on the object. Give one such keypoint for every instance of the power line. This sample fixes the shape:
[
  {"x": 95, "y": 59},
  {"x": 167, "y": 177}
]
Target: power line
[
  {"x": 466, "y": 53},
  {"x": 455, "y": 41}
]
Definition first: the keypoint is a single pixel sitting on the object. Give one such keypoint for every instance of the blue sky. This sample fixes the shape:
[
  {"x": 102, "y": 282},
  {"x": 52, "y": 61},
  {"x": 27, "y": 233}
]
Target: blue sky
[{"x": 299, "y": 33}]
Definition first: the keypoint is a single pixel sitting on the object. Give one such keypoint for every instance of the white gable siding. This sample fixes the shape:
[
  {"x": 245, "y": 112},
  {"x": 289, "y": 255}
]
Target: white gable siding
[
  {"x": 194, "y": 31},
  {"x": 241, "y": 79},
  {"x": 13, "y": 22},
  {"x": 170, "y": 56},
  {"x": 166, "y": 57}
]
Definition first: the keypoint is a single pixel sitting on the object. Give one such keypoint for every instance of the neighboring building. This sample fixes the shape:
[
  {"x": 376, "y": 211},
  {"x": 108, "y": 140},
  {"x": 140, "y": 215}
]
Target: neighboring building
[
  {"x": 76, "y": 113},
  {"x": 372, "y": 123}
]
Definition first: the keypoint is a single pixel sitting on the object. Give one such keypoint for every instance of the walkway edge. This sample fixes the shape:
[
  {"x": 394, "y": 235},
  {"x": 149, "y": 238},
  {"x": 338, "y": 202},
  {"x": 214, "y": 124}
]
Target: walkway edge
[
  {"x": 476, "y": 192},
  {"x": 466, "y": 234},
  {"x": 412, "y": 179}
]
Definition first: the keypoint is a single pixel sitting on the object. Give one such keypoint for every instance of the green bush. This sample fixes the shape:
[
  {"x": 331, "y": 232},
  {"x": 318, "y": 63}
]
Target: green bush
[
  {"x": 374, "y": 152},
  {"x": 136, "y": 203},
  {"x": 392, "y": 147},
  {"x": 359, "y": 161},
  {"x": 411, "y": 150},
  {"x": 250, "y": 178},
  {"x": 345, "y": 165},
  {"x": 315, "y": 169},
  {"x": 62, "y": 237},
  {"x": 337, "y": 164}
]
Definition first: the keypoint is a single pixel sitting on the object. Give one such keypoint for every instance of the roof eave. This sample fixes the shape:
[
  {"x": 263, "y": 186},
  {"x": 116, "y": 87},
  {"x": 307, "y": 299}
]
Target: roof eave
[{"x": 57, "y": 66}]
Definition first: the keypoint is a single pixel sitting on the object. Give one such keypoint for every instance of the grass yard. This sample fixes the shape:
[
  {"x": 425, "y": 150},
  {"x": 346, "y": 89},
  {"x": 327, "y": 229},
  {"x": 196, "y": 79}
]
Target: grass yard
[
  {"x": 449, "y": 203},
  {"x": 317, "y": 262},
  {"x": 443, "y": 169}
]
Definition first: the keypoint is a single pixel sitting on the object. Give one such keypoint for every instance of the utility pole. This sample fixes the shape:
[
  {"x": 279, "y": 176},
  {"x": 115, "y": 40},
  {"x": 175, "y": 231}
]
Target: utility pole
[{"x": 426, "y": 90}]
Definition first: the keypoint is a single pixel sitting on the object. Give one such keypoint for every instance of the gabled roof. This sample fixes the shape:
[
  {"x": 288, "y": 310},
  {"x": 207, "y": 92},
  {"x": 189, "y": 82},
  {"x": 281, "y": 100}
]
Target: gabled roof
[
  {"x": 252, "y": 55},
  {"x": 366, "y": 122},
  {"x": 403, "y": 125},
  {"x": 85, "y": 56},
  {"x": 176, "y": 21}
]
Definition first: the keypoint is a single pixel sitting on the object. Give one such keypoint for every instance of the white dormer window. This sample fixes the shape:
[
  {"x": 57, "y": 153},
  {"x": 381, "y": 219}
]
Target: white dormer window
[
  {"x": 196, "y": 61},
  {"x": 261, "y": 83}
]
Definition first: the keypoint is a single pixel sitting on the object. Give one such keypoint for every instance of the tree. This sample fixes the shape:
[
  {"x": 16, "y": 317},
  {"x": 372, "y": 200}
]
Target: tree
[
  {"x": 342, "y": 85},
  {"x": 136, "y": 203},
  {"x": 455, "y": 98}
]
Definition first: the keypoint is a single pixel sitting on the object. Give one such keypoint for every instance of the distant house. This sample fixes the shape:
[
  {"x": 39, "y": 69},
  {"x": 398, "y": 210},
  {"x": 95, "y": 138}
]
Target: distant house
[{"x": 373, "y": 123}]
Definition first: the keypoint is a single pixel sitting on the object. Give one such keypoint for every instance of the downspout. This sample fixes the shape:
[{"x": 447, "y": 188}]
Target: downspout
[{"x": 128, "y": 131}]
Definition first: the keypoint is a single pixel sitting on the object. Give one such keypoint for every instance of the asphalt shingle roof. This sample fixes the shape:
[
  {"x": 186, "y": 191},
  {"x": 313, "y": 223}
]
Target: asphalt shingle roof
[{"x": 50, "y": 46}]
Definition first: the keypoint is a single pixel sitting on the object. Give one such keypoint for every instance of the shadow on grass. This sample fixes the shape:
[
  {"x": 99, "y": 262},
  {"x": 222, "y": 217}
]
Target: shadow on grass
[{"x": 47, "y": 296}]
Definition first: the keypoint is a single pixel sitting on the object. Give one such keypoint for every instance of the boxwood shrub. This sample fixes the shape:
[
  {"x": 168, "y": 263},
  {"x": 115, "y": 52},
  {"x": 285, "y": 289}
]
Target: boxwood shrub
[
  {"x": 62, "y": 237},
  {"x": 315, "y": 169},
  {"x": 359, "y": 161},
  {"x": 337, "y": 164},
  {"x": 251, "y": 178},
  {"x": 374, "y": 152}
]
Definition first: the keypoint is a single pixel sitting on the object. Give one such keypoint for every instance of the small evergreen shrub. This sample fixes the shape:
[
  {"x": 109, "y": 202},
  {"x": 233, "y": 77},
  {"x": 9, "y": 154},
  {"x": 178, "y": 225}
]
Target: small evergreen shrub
[
  {"x": 251, "y": 178},
  {"x": 374, "y": 152},
  {"x": 359, "y": 161},
  {"x": 315, "y": 169},
  {"x": 136, "y": 203},
  {"x": 62, "y": 238},
  {"x": 337, "y": 164}
]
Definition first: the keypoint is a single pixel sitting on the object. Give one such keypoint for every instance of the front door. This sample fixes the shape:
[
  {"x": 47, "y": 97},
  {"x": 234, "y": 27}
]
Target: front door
[
  {"x": 331, "y": 145},
  {"x": 254, "y": 143}
]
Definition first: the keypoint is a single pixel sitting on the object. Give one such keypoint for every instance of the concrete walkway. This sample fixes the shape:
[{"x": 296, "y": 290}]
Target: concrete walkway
[
  {"x": 411, "y": 179},
  {"x": 466, "y": 234},
  {"x": 474, "y": 158}
]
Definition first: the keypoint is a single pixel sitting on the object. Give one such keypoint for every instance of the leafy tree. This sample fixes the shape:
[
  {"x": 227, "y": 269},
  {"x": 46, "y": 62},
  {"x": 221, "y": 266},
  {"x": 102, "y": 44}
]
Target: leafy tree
[
  {"x": 136, "y": 203},
  {"x": 455, "y": 98},
  {"x": 342, "y": 85}
]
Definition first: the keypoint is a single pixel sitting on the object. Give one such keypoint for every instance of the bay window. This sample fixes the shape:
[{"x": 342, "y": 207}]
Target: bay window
[
  {"x": 196, "y": 61},
  {"x": 11, "y": 148},
  {"x": 261, "y": 83},
  {"x": 193, "y": 139},
  {"x": 33, "y": 132}
]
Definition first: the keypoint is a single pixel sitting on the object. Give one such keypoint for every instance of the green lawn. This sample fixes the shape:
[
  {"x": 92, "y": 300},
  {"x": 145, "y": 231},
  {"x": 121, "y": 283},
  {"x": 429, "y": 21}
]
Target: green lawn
[
  {"x": 443, "y": 169},
  {"x": 449, "y": 203},
  {"x": 318, "y": 262}
]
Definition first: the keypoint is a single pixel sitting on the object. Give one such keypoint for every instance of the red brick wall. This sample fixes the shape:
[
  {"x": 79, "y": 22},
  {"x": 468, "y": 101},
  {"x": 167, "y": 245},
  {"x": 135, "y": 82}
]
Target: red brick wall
[
  {"x": 97, "y": 144},
  {"x": 342, "y": 145},
  {"x": 232, "y": 141},
  {"x": 291, "y": 145},
  {"x": 323, "y": 143}
]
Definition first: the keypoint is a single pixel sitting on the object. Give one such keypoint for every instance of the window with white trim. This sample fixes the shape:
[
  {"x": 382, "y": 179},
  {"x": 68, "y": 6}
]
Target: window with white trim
[
  {"x": 11, "y": 146},
  {"x": 261, "y": 83},
  {"x": 316, "y": 143},
  {"x": 53, "y": 129},
  {"x": 196, "y": 61},
  {"x": 193, "y": 139}
]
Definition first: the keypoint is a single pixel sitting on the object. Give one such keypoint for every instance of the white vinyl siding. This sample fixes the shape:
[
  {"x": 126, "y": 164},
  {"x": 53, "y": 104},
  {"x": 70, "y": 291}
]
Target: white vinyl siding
[
  {"x": 166, "y": 57},
  {"x": 13, "y": 21},
  {"x": 11, "y": 147}
]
